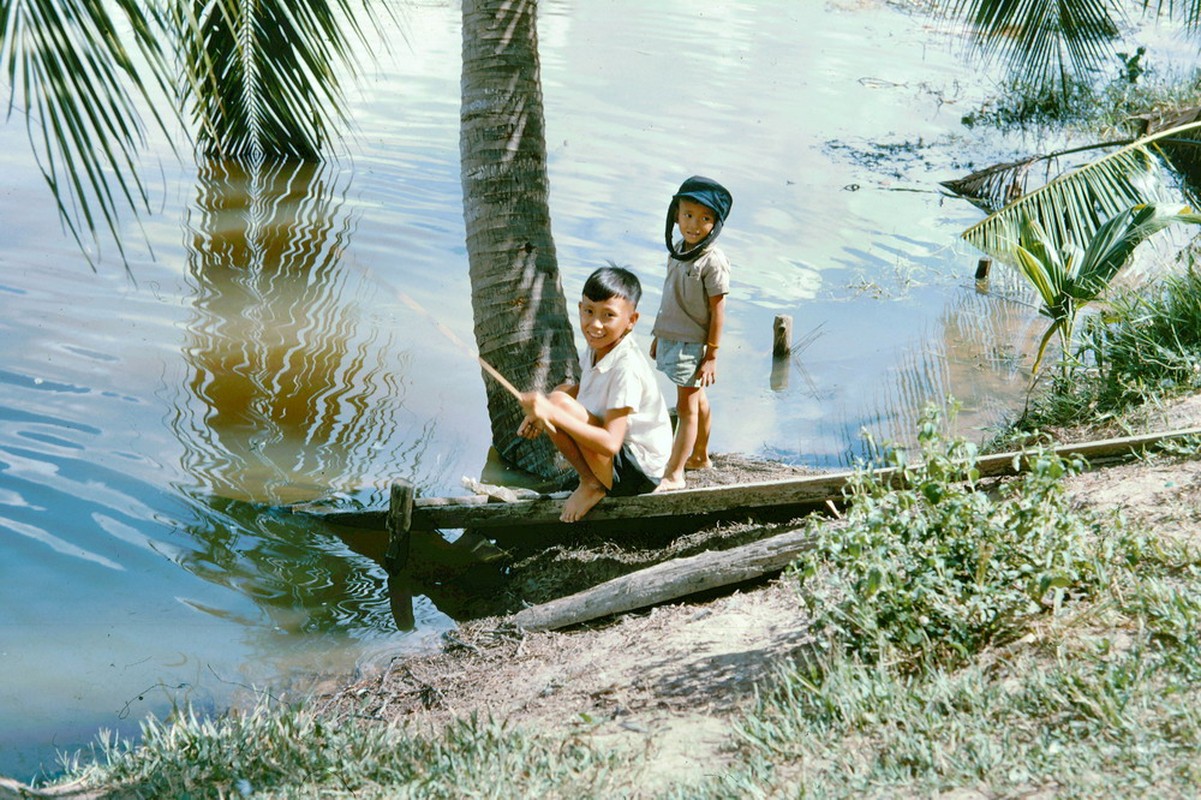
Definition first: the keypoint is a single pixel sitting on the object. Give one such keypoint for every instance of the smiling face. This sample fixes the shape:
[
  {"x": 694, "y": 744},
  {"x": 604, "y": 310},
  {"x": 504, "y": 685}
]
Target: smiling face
[
  {"x": 694, "y": 220},
  {"x": 605, "y": 322}
]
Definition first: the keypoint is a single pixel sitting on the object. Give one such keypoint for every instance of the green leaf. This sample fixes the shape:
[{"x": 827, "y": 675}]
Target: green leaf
[{"x": 1072, "y": 208}]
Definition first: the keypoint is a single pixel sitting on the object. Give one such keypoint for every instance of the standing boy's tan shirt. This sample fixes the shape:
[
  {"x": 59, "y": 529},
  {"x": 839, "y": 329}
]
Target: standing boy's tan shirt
[{"x": 684, "y": 309}]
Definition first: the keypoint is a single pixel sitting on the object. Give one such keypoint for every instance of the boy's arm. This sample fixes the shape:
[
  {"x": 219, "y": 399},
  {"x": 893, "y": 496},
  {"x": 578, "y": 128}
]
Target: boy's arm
[
  {"x": 530, "y": 426},
  {"x": 717, "y": 322}
]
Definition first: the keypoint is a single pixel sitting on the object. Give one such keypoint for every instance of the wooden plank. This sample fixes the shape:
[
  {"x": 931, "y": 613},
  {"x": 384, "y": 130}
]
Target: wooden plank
[
  {"x": 802, "y": 491},
  {"x": 668, "y": 581},
  {"x": 476, "y": 511},
  {"x": 399, "y": 521},
  {"x": 371, "y": 519}
]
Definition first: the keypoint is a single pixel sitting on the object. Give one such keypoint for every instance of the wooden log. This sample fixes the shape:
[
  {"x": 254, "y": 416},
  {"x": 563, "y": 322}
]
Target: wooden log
[
  {"x": 370, "y": 519},
  {"x": 732, "y": 498},
  {"x": 475, "y": 511},
  {"x": 781, "y": 339},
  {"x": 669, "y": 580},
  {"x": 400, "y": 521},
  {"x": 804, "y": 492}
]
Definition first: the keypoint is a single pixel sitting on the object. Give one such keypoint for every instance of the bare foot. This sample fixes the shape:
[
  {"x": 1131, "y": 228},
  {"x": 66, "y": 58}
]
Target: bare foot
[
  {"x": 698, "y": 463},
  {"x": 581, "y": 501},
  {"x": 668, "y": 485}
]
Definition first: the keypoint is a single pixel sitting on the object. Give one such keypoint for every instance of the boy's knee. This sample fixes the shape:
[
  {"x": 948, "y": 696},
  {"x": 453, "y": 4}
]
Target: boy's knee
[
  {"x": 688, "y": 402},
  {"x": 561, "y": 399},
  {"x": 567, "y": 404}
]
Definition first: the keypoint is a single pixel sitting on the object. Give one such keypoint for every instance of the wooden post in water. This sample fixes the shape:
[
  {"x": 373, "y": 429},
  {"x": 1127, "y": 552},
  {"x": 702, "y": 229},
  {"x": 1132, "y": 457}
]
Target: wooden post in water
[
  {"x": 400, "y": 519},
  {"x": 982, "y": 268},
  {"x": 781, "y": 366},
  {"x": 781, "y": 348},
  {"x": 781, "y": 335}
]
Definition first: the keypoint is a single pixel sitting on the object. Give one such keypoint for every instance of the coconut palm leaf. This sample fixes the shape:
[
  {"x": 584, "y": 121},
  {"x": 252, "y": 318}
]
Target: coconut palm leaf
[
  {"x": 73, "y": 76},
  {"x": 993, "y": 187},
  {"x": 260, "y": 79},
  {"x": 1040, "y": 39},
  {"x": 262, "y": 75},
  {"x": 1113, "y": 245},
  {"x": 1187, "y": 11},
  {"x": 1072, "y": 207}
]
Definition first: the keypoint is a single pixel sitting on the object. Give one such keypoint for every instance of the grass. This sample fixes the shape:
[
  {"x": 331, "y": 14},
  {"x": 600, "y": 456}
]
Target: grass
[
  {"x": 1061, "y": 659},
  {"x": 289, "y": 752},
  {"x": 1143, "y": 350}
]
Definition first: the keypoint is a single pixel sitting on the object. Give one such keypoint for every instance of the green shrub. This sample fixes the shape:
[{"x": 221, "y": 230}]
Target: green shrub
[{"x": 936, "y": 569}]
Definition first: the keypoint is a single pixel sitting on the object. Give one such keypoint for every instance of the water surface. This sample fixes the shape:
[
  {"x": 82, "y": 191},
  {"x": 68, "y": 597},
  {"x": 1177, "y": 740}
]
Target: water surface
[{"x": 152, "y": 423}]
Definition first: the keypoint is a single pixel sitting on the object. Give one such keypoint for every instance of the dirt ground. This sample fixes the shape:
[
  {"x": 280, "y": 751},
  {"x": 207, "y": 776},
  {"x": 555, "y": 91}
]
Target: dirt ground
[{"x": 670, "y": 680}]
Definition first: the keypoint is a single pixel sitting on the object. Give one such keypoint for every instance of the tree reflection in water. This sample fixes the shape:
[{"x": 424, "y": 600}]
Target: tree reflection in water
[{"x": 291, "y": 394}]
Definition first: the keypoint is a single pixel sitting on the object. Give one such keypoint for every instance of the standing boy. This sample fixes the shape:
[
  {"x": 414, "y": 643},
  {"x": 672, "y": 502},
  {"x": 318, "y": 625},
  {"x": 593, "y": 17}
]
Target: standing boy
[
  {"x": 691, "y": 316},
  {"x": 613, "y": 427}
]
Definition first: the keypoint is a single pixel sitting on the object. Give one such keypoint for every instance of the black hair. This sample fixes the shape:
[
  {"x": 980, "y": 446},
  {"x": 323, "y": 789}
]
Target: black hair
[{"x": 613, "y": 281}]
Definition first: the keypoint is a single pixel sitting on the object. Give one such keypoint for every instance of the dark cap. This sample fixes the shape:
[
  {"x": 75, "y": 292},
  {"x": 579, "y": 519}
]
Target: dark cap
[{"x": 708, "y": 193}]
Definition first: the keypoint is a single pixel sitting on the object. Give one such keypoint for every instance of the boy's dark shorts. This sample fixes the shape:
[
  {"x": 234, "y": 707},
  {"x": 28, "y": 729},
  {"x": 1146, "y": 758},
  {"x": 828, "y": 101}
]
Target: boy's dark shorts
[{"x": 628, "y": 477}]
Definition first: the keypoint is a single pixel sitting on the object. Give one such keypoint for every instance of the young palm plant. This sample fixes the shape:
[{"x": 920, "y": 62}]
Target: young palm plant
[{"x": 1068, "y": 278}]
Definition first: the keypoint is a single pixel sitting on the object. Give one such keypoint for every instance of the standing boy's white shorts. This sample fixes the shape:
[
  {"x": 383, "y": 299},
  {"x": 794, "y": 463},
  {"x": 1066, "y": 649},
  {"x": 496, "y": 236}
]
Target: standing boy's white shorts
[{"x": 679, "y": 361}]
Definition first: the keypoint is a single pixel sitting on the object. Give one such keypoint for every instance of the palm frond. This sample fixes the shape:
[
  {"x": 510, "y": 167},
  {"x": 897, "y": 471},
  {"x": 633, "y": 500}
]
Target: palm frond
[
  {"x": 73, "y": 77},
  {"x": 1072, "y": 207},
  {"x": 1187, "y": 11},
  {"x": 1112, "y": 246},
  {"x": 263, "y": 75},
  {"x": 1041, "y": 39},
  {"x": 1033, "y": 260},
  {"x": 994, "y": 187},
  {"x": 1068, "y": 280}
]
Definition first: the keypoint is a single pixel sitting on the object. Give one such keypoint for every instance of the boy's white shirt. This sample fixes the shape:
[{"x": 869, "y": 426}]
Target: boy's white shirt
[{"x": 625, "y": 379}]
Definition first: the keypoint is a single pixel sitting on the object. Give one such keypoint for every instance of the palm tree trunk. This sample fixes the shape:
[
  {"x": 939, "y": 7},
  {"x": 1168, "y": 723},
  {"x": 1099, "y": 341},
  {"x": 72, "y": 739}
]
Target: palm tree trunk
[{"x": 521, "y": 322}]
